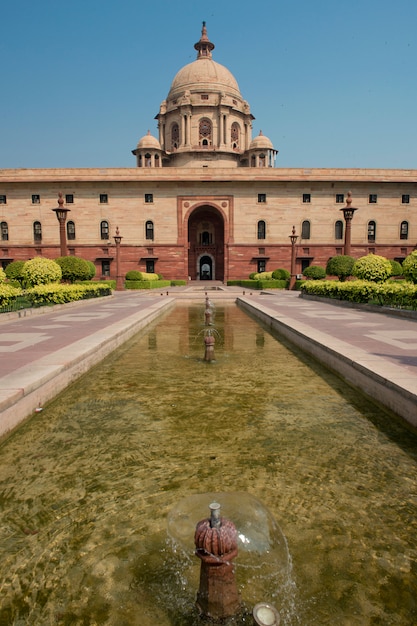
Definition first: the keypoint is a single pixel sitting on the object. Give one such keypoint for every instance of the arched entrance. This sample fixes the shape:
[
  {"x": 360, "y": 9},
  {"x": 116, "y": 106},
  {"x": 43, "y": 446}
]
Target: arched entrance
[{"x": 206, "y": 244}]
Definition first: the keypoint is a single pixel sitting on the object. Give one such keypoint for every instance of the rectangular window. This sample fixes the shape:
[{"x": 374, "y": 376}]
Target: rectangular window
[
  {"x": 104, "y": 198},
  {"x": 69, "y": 198},
  {"x": 405, "y": 198},
  {"x": 261, "y": 197},
  {"x": 306, "y": 197},
  {"x": 261, "y": 265},
  {"x": 204, "y": 96},
  {"x": 148, "y": 197},
  {"x": 261, "y": 251},
  {"x": 340, "y": 198},
  {"x": 373, "y": 198},
  {"x": 3, "y": 199},
  {"x": 150, "y": 266},
  {"x": 36, "y": 199},
  {"x": 105, "y": 268}
]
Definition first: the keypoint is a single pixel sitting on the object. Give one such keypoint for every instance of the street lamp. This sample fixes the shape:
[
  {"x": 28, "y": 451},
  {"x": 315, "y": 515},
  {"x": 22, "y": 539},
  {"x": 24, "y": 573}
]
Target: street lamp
[
  {"x": 117, "y": 240},
  {"x": 61, "y": 214},
  {"x": 348, "y": 212},
  {"x": 293, "y": 239}
]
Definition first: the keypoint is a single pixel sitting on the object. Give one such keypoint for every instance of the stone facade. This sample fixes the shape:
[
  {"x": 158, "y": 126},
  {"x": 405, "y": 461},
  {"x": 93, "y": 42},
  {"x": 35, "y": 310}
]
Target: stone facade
[{"x": 205, "y": 200}]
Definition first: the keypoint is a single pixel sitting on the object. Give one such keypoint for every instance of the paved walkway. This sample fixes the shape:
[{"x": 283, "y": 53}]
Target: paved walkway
[{"x": 42, "y": 352}]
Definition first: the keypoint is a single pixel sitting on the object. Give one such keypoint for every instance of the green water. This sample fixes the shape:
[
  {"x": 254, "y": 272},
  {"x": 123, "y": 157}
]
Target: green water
[{"x": 86, "y": 485}]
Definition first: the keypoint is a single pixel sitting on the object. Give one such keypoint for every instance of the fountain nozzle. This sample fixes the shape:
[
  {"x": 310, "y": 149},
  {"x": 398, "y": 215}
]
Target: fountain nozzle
[{"x": 215, "y": 520}]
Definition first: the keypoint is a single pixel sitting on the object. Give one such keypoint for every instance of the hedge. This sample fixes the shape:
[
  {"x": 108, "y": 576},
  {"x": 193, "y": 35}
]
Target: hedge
[
  {"x": 60, "y": 294},
  {"x": 147, "y": 284},
  {"x": 8, "y": 294},
  {"x": 393, "y": 294}
]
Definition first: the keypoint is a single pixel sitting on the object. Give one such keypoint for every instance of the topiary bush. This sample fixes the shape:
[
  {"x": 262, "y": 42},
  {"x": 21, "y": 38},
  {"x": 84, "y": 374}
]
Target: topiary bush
[
  {"x": 409, "y": 267},
  {"x": 372, "y": 267},
  {"x": 134, "y": 275},
  {"x": 281, "y": 274},
  {"x": 315, "y": 272},
  {"x": 396, "y": 268},
  {"x": 73, "y": 268},
  {"x": 92, "y": 269},
  {"x": 340, "y": 266},
  {"x": 14, "y": 271},
  {"x": 40, "y": 271}
]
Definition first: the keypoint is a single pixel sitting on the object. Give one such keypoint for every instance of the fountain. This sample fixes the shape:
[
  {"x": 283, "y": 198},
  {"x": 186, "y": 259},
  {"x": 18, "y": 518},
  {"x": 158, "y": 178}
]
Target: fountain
[{"x": 101, "y": 492}]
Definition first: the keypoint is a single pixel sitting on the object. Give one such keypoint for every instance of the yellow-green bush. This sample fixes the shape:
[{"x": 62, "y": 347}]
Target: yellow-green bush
[
  {"x": 8, "y": 294},
  {"x": 60, "y": 294}
]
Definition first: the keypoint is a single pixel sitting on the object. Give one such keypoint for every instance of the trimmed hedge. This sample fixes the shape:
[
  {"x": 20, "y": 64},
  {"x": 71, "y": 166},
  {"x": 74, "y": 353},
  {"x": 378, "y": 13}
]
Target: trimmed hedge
[
  {"x": 393, "y": 294},
  {"x": 8, "y": 294},
  {"x": 147, "y": 284},
  {"x": 42, "y": 295},
  {"x": 259, "y": 284}
]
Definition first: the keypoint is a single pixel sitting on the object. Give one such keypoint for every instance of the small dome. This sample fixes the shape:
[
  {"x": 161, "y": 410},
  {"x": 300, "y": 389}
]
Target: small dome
[
  {"x": 261, "y": 142},
  {"x": 148, "y": 141}
]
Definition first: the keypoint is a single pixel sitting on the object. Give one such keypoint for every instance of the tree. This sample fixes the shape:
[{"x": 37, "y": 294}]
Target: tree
[
  {"x": 14, "y": 271},
  {"x": 40, "y": 271},
  {"x": 315, "y": 272},
  {"x": 372, "y": 267},
  {"x": 74, "y": 268},
  {"x": 410, "y": 267},
  {"x": 340, "y": 266}
]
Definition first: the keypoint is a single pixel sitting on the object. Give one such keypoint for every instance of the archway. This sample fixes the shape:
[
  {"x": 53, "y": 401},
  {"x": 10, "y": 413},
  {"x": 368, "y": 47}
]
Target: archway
[{"x": 206, "y": 244}]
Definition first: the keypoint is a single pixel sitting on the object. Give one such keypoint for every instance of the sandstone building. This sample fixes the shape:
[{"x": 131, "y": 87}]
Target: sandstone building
[{"x": 205, "y": 199}]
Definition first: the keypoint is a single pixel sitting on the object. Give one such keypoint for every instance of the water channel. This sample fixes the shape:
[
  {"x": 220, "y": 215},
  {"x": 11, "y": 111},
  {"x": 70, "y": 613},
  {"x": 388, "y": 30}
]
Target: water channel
[{"x": 88, "y": 484}]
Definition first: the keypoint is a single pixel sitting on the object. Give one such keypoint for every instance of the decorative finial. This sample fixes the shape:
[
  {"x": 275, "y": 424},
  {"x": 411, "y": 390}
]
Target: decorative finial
[
  {"x": 349, "y": 198},
  {"x": 60, "y": 199},
  {"x": 204, "y": 46}
]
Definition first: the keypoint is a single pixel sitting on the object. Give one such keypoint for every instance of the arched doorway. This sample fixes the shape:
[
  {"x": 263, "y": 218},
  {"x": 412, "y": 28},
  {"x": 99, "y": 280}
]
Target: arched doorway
[{"x": 206, "y": 244}]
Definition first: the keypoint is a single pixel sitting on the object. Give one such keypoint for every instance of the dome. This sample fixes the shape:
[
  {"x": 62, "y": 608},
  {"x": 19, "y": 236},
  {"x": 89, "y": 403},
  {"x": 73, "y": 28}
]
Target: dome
[
  {"x": 148, "y": 141},
  {"x": 204, "y": 74},
  {"x": 261, "y": 142}
]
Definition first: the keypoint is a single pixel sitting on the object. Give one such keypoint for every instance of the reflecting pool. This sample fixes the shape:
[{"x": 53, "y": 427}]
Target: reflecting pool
[{"x": 87, "y": 485}]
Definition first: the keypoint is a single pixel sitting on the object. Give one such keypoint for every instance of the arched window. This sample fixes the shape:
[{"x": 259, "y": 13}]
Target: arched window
[
  {"x": 404, "y": 230},
  {"x": 104, "y": 229},
  {"x": 305, "y": 230},
  {"x": 371, "y": 231},
  {"x": 4, "y": 231},
  {"x": 70, "y": 230},
  {"x": 235, "y": 135},
  {"x": 338, "y": 230},
  {"x": 204, "y": 130},
  {"x": 261, "y": 229},
  {"x": 149, "y": 230},
  {"x": 148, "y": 160},
  {"x": 253, "y": 161},
  {"x": 37, "y": 231},
  {"x": 157, "y": 162},
  {"x": 262, "y": 160},
  {"x": 205, "y": 238},
  {"x": 175, "y": 136}
]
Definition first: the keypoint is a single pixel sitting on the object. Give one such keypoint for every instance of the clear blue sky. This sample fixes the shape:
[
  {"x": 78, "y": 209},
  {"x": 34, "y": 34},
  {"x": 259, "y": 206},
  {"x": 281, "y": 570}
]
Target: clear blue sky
[{"x": 333, "y": 83}]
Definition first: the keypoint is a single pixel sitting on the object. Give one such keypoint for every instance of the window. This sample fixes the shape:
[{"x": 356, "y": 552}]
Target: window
[
  {"x": 36, "y": 199},
  {"x": 148, "y": 197},
  {"x": 306, "y": 197},
  {"x": 235, "y": 135},
  {"x": 405, "y": 198},
  {"x": 305, "y": 230},
  {"x": 261, "y": 265},
  {"x": 69, "y": 198},
  {"x": 371, "y": 231},
  {"x": 340, "y": 198},
  {"x": 37, "y": 231},
  {"x": 204, "y": 130},
  {"x": 70, "y": 230},
  {"x": 148, "y": 160},
  {"x": 3, "y": 199},
  {"x": 150, "y": 266},
  {"x": 149, "y": 230},
  {"x": 404, "y": 230},
  {"x": 4, "y": 228},
  {"x": 338, "y": 230},
  {"x": 175, "y": 136},
  {"x": 261, "y": 197},
  {"x": 104, "y": 198},
  {"x": 105, "y": 268},
  {"x": 261, "y": 229},
  {"x": 204, "y": 96},
  {"x": 373, "y": 198},
  {"x": 104, "y": 229}
]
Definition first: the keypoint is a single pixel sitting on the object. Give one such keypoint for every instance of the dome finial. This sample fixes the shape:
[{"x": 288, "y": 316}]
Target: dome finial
[{"x": 204, "y": 46}]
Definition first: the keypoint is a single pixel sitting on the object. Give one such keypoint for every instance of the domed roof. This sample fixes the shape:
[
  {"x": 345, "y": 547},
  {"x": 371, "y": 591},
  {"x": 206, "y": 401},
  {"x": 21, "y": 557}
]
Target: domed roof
[
  {"x": 148, "y": 141},
  {"x": 260, "y": 142},
  {"x": 204, "y": 73}
]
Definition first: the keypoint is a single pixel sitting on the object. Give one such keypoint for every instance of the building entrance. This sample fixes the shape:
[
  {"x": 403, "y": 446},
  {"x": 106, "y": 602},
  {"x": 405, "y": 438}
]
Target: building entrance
[{"x": 206, "y": 244}]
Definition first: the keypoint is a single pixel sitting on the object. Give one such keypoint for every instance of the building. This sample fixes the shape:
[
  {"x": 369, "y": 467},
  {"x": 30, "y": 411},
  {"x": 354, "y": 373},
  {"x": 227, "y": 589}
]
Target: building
[{"x": 205, "y": 200}]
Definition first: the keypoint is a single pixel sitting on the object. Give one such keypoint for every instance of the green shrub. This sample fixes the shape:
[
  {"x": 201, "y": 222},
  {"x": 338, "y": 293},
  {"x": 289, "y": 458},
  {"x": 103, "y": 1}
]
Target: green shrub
[
  {"x": 134, "y": 275},
  {"x": 147, "y": 284},
  {"x": 340, "y": 266},
  {"x": 393, "y": 294},
  {"x": 3, "y": 276},
  {"x": 315, "y": 272},
  {"x": 14, "y": 270},
  {"x": 263, "y": 276},
  {"x": 281, "y": 274},
  {"x": 8, "y": 294},
  {"x": 372, "y": 267},
  {"x": 409, "y": 267},
  {"x": 73, "y": 268},
  {"x": 40, "y": 271},
  {"x": 92, "y": 270},
  {"x": 252, "y": 276},
  {"x": 396, "y": 268},
  {"x": 178, "y": 283},
  {"x": 42, "y": 295}
]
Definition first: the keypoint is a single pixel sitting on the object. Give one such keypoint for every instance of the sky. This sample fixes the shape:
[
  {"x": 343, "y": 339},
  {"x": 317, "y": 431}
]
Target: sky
[{"x": 332, "y": 83}]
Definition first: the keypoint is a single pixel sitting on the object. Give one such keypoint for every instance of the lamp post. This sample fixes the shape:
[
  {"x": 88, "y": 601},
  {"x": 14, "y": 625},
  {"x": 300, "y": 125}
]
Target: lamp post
[
  {"x": 348, "y": 212},
  {"x": 117, "y": 240},
  {"x": 61, "y": 214},
  {"x": 293, "y": 239}
]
